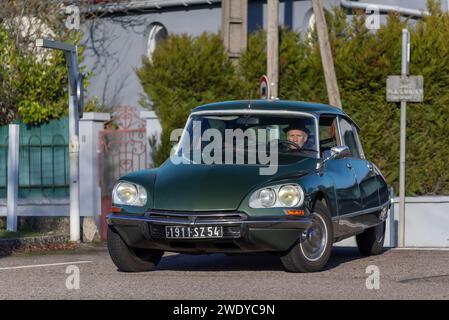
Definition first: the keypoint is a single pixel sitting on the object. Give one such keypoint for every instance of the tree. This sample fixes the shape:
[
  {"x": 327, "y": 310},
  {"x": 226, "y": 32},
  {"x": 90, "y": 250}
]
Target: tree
[{"x": 34, "y": 80}]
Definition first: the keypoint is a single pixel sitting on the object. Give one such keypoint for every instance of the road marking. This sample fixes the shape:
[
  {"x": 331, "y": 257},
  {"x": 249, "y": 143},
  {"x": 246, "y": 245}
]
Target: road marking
[
  {"x": 422, "y": 248},
  {"x": 45, "y": 265}
]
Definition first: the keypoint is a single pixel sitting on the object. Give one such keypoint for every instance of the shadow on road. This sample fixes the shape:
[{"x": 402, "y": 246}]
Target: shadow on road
[{"x": 245, "y": 262}]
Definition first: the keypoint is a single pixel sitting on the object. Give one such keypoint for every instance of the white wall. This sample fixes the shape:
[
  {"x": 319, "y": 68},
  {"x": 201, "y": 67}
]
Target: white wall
[{"x": 426, "y": 223}]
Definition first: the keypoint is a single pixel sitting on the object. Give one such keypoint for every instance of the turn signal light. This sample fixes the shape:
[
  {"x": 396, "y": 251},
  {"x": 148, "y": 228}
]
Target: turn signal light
[
  {"x": 295, "y": 212},
  {"x": 116, "y": 209}
]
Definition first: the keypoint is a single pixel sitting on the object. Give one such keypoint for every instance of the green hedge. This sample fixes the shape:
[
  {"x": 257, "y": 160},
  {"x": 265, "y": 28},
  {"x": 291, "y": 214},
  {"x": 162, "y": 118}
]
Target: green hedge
[{"x": 187, "y": 71}]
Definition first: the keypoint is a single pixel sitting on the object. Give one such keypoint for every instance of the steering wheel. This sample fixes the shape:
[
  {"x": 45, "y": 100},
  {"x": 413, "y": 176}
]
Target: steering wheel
[{"x": 289, "y": 143}]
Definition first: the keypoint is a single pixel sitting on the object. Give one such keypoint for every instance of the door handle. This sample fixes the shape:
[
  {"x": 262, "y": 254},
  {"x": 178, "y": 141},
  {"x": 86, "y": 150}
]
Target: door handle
[{"x": 349, "y": 165}]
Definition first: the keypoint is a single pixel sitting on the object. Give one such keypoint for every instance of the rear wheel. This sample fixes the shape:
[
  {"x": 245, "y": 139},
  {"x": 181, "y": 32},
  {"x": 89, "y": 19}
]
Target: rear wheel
[
  {"x": 314, "y": 248},
  {"x": 128, "y": 260},
  {"x": 371, "y": 241}
]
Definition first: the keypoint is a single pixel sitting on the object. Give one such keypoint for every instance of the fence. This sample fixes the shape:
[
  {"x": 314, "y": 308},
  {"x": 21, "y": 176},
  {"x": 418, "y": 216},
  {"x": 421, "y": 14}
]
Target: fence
[{"x": 43, "y": 161}]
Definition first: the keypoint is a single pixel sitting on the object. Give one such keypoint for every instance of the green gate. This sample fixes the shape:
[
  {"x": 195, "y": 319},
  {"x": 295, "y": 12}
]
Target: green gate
[{"x": 43, "y": 161}]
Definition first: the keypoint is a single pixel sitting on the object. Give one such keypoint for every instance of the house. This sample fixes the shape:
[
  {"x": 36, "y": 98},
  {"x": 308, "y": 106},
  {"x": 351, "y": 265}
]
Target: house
[{"x": 119, "y": 34}]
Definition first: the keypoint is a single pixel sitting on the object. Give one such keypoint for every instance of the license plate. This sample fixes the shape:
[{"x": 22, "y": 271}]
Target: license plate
[{"x": 193, "y": 232}]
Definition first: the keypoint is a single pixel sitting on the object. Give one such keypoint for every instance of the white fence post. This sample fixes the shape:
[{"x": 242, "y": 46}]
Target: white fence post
[
  {"x": 393, "y": 226},
  {"x": 153, "y": 129},
  {"x": 90, "y": 194},
  {"x": 13, "y": 177}
]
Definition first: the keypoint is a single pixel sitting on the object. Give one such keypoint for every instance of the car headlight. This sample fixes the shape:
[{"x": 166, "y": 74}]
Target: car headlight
[
  {"x": 289, "y": 195},
  {"x": 267, "y": 197},
  {"x": 129, "y": 194},
  {"x": 278, "y": 196}
]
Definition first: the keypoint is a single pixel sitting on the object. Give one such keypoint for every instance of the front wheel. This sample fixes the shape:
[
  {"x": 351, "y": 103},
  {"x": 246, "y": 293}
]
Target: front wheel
[
  {"x": 128, "y": 260},
  {"x": 314, "y": 248},
  {"x": 371, "y": 241}
]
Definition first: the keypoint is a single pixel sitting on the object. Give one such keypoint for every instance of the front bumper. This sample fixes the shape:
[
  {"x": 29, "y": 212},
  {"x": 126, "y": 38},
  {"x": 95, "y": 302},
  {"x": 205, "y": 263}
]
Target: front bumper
[{"x": 241, "y": 233}]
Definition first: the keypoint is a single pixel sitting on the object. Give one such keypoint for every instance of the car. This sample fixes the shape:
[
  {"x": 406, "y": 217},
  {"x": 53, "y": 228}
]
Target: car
[{"x": 294, "y": 182}]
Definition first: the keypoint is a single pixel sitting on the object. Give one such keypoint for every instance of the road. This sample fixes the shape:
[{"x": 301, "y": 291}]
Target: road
[{"x": 403, "y": 274}]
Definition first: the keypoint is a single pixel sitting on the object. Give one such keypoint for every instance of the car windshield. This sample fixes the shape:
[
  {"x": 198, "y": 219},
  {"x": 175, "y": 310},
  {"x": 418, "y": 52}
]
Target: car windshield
[{"x": 291, "y": 137}]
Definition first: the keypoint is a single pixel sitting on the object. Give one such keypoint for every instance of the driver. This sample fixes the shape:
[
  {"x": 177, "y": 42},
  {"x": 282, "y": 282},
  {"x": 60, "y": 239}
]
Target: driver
[{"x": 298, "y": 134}]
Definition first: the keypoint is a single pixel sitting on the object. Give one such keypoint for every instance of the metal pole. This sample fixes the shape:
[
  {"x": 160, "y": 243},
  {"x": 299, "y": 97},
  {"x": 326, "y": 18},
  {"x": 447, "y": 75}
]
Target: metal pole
[
  {"x": 327, "y": 60},
  {"x": 13, "y": 177},
  {"x": 74, "y": 76},
  {"x": 393, "y": 233},
  {"x": 273, "y": 47},
  {"x": 404, "y": 73}
]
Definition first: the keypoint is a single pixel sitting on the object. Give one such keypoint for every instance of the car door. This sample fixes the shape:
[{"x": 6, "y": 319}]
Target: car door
[
  {"x": 339, "y": 170},
  {"x": 363, "y": 169}
]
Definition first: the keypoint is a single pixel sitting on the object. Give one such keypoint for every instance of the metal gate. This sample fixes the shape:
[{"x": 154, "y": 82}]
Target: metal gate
[{"x": 123, "y": 149}]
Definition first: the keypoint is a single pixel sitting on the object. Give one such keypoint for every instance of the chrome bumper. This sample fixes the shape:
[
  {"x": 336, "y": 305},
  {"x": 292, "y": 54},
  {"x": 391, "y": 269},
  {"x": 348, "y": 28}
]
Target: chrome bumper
[{"x": 210, "y": 219}]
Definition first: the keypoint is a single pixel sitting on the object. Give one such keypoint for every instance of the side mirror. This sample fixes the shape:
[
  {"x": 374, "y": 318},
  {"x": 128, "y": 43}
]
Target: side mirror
[{"x": 338, "y": 152}]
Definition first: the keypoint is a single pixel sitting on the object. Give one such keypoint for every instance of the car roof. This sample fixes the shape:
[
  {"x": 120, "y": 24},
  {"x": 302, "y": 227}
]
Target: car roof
[{"x": 272, "y": 105}]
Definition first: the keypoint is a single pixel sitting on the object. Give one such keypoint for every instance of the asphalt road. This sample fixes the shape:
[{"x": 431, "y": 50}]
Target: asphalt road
[{"x": 404, "y": 274}]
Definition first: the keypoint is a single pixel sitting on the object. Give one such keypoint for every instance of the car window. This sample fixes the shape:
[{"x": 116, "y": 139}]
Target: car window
[
  {"x": 359, "y": 143},
  {"x": 294, "y": 135},
  {"x": 328, "y": 133},
  {"x": 349, "y": 137}
]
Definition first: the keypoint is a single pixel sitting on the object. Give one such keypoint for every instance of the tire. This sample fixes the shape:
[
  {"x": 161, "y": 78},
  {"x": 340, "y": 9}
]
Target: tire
[
  {"x": 126, "y": 259},
  {"x": 371, "y": 241},
  {"x": 301, "y": 258}
]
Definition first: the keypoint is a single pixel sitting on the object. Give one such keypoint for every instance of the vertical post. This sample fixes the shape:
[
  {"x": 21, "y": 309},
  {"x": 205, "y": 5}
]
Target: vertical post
[
  {"x": 153, "y": 129},
  {"x": 404, "y": 73},
  {"x": 90, "y": 126},
  {"x": 393, "y": 233},
  {"x": 72, "y": 67},
  {"x": 13, "y": 177},
  {"x": 326, "y": 55},
  {"x": 273, "y": 47},
  {"x": 234, "y": 27},
  {"x": 75, "y": 106}
]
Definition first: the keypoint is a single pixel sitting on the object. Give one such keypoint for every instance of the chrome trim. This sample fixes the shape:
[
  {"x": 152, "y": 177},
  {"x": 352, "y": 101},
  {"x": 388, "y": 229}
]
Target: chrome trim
[
  {"x": 339, "y": 130},
  {"x": 198, "y": 214},
  {"x": 364, "y": 211},
  {"x": 269, "y": 222}
]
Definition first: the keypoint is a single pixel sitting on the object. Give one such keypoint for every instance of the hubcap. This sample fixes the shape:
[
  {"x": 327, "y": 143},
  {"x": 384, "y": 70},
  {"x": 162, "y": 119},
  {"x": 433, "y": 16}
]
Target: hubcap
[{"x": 314, "y": 239}]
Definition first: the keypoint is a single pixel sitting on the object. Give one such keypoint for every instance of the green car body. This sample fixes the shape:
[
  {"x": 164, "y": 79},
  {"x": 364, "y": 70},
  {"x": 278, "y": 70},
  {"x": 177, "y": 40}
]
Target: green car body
[{"x": 353, "y": 190}]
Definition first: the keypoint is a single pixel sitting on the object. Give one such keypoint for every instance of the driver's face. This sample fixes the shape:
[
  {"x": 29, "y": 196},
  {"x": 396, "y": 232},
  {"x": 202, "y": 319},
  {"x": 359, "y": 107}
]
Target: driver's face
[{"x": 297, "y": 136}]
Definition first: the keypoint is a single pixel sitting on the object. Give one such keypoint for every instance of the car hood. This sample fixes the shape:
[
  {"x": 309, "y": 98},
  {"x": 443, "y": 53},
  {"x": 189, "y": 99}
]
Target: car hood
[{"x": 197, "y": 187}]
